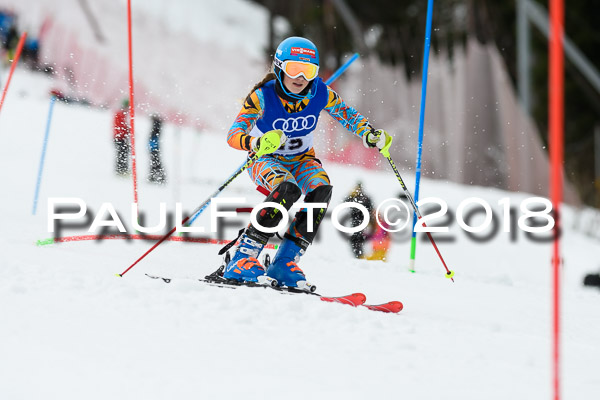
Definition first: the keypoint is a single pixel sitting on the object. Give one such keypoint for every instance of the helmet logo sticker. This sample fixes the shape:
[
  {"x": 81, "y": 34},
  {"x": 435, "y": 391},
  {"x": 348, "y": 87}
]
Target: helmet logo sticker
[
  {"x": 295, "y": 51},
  {"x": 295, "y": 124}
]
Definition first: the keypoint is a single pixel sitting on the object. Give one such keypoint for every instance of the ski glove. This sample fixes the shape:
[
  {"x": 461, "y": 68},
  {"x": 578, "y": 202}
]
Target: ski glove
[
  {"x": 376, "y": 138},
  {"x": 261, "y": 146}
]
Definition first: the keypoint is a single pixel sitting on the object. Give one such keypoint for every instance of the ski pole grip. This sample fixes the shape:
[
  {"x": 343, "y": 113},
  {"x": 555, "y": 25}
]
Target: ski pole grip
[
  {"x": 386, "y": 148},
  {"x": 269, "y": 142}
]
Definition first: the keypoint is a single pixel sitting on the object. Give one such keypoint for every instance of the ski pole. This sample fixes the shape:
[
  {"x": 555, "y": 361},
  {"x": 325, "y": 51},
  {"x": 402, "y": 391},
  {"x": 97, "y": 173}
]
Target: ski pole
[
  {"x": 190, "y": 220},
  {"x": 385, "y": 151},
  {"x": 269, "y": 143}
]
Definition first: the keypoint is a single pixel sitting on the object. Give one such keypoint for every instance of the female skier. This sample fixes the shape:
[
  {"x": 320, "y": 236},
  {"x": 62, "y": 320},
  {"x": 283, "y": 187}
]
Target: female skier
[{"x": 289, "y": 99}]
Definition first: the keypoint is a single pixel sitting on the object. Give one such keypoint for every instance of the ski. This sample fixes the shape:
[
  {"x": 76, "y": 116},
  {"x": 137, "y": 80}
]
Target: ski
[
  {"x": 359, "y": 299},
  {"x": 354, "y": 299}
]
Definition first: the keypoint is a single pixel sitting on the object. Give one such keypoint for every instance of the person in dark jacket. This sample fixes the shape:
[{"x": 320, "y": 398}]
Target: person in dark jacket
[
  {"x": 357, "y": 240},
  {"x": 157, "y": 171},
  {"x": 121, "y": 137}
]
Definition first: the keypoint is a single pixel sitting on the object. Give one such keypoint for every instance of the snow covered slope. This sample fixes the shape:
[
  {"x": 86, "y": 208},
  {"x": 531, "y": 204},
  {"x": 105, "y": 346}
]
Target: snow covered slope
[{"x": 70, "y": 329}]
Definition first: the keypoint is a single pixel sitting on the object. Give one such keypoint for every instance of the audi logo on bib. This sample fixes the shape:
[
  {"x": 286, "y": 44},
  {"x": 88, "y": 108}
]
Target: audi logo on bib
[{"x": 295, "y": 124}]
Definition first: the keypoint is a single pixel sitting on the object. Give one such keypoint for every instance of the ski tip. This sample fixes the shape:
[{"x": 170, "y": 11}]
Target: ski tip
[
  {"x": 360, "y": 297},
  {"x": 396, "y": 305},
  {"x": 119, "y": 275},
  {"x": 354, "y": 299},
  {"x": 392, "y": 307},
  {"x": 412, "y": 271}
]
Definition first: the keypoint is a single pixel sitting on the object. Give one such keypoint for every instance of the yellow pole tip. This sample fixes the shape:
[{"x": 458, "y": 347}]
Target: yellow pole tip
[
  {"x": 119, "y": 275},
  {"x": 450, "y": 274}
]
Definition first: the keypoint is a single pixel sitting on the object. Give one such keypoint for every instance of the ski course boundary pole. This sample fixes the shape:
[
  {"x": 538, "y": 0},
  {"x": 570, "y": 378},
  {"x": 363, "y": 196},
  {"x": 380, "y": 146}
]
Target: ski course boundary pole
[
  {"x": 43, "y": 156},
  {"x": 13, "y": 66},
  {"x": 413, "y": 241}
]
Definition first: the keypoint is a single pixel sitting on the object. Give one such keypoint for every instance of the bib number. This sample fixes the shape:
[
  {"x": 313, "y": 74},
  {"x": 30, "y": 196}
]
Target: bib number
[{"x": 294, "y": 144}]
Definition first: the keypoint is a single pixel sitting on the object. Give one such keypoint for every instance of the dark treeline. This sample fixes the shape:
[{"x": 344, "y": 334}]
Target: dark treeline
[{"x": 393, "y": 30}]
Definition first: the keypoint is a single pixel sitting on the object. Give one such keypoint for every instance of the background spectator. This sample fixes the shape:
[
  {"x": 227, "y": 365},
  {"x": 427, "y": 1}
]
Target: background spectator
[
  {"x": 121, "y": 136},
  {"x": 157, "y": 172}
]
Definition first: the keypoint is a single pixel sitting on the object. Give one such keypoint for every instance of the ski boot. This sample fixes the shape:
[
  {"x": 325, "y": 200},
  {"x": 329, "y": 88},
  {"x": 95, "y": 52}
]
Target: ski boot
[
  {"x": 244, "y": 266},
  {"x": 284, "y": 268}
]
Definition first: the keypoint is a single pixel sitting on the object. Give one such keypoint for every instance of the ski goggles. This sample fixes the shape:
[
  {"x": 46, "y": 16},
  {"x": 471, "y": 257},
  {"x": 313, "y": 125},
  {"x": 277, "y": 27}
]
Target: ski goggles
[{"x": 294, "y": 69}]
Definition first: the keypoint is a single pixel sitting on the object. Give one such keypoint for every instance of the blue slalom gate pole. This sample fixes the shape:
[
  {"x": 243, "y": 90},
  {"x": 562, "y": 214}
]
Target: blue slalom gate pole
[
  {"x": 413, "y": 241},
  {"x": 43, "y": 157},
  {"x": 329, "y": 81},
  {"x": 341, "y": 69}
]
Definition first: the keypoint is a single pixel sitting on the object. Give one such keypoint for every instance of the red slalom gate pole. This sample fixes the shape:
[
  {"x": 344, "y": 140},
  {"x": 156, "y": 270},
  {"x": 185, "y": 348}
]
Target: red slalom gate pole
[
  {"x": 131, "y": 105},
  {"x": 13, "y": 66},
  {"x": 556, "y": 146}
]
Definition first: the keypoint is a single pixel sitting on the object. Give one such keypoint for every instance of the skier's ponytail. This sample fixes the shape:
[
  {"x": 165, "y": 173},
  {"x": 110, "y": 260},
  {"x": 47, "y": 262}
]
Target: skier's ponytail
[{"x": 268, "y": 77}]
